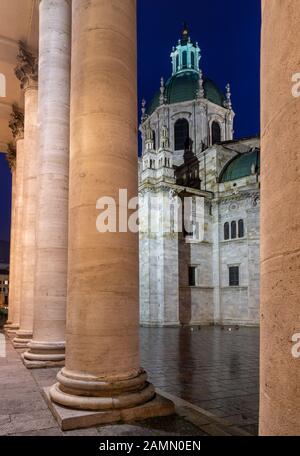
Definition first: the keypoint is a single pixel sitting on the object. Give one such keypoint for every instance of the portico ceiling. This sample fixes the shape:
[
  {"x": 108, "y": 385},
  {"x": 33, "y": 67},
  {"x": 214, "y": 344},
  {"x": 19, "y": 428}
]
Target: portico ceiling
[{"x": 18, "y": 21}]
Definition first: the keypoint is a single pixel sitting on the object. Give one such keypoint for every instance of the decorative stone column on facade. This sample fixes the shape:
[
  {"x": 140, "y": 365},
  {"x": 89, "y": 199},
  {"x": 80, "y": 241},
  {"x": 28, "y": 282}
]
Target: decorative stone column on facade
[
  {"x": 27, "y": 72},
  {"x": 47, "y": 347},
  {"x": 102, "y": 372},
  {"x": 280, "y": 220},
  {"x": 11, "y": 158},
  {"x": 16, "y": 124}
]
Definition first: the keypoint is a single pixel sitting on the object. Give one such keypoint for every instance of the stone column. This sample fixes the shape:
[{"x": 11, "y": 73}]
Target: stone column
[
  {"x": 280, "y": 220},
  {"x": 19, "y": 228},
  {"x": 16, "y": 125},
  {"x": 10, "y": 321},
  {"x": 102, "y": 370},
  {"x": 47, "y": 347},
  {"x": 27, "y": 73}
]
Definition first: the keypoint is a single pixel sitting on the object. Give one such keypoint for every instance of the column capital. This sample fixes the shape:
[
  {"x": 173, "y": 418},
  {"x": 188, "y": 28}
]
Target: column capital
[
  {"x": 11, "y": 156},
  {"x": 16, "y": 123},
  {"x": 27, "y": 68}
]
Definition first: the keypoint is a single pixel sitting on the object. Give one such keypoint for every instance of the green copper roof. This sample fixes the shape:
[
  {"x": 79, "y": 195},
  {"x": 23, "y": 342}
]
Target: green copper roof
[
  {"x": 240, "y": 166},
  {"x": 183, "y": 86}
]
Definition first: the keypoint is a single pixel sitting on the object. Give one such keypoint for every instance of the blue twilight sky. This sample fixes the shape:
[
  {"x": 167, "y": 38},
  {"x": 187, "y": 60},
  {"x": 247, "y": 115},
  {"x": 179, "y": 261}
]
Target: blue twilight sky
[
  {"x": 228, "y": 33},
  {"x": 5, "y": 198}
]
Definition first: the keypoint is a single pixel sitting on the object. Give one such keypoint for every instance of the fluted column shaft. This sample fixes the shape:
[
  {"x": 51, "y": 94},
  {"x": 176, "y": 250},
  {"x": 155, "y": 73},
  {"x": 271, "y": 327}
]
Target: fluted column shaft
[
  {"x": 102, "y": 346},
  {"x": 18, "y": 231},
  {"x": 11, "y": 306},
  {"x": 47, "y": 346},
  {"x": 280, "y": 220},
  {"x": 29, "y": 216}
]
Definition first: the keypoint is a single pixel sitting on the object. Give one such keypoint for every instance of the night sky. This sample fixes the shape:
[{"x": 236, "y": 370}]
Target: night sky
[
  {"x": 228, "y": 33},
  {"x": 5, "y": 199}
]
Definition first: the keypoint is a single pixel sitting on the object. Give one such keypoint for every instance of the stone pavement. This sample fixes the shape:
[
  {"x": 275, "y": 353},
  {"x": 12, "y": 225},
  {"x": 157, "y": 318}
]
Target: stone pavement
[{"x": 213, "y": 369}]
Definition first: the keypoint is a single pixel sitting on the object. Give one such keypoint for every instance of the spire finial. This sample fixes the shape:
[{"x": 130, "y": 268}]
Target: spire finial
[
  {"x": 185, "y": 31},
  {"x": 200, "y": 93},
  {"x": 228, "y": 103},
  {"x": 162, "y": 91},
  {"x": 143, "y": 110}
]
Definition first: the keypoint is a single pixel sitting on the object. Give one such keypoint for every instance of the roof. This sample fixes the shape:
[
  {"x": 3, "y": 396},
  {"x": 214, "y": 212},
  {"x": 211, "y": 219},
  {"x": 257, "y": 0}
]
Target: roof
[
  {"x": 184, "y": 86},
  {"x": 240, "y": 166}
]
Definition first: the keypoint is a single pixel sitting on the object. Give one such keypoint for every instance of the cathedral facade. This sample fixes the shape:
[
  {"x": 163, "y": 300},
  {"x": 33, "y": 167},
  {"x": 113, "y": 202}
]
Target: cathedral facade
[{"x": 188, "y": 150}]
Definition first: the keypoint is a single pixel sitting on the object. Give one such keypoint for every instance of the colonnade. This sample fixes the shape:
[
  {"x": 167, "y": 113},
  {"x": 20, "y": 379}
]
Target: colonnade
[
  {"x": 74, "y": 291},
  {"x": 79, "y": 305}
]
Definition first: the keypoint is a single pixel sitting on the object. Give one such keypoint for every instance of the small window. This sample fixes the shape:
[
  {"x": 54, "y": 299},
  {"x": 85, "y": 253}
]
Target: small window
[
  {"x": 234, "y": 276},
  {"x": 215, "y": 133},
  {"x": 233, "y": 230},
  {"x": 241, "y": 229},
  {"x": 226, "y": 231},
  {"x": 2, "y": 86},
  {"x": 192, "y": 276}
]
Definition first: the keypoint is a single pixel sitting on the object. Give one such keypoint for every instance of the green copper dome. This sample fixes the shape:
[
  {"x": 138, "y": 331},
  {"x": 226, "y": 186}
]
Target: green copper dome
[
  {"x": 240, "y": 166},
  {"x": 184, "y": 86}
]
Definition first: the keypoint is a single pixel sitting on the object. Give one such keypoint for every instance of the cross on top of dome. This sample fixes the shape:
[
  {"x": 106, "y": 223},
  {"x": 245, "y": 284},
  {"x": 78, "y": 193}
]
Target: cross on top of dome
[{"x": 185, "y": 33}]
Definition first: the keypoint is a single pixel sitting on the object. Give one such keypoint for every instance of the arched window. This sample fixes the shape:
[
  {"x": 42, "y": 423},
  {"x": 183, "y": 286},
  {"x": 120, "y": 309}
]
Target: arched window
[
  {"x": 181, "y": 133},
  {"x": 193, "y": 60},
  {"x": 184, "y": 59},
  {"x": 233, "y": 230},
  {"x": 2, "y": 86},
  {"x": 154, "y": 139},
  {"x": 241, "y": 228},
  {"x": 226, "y": 231},
  {"x": 177, "y": 62},
  {"x": 215, "y": 132}
]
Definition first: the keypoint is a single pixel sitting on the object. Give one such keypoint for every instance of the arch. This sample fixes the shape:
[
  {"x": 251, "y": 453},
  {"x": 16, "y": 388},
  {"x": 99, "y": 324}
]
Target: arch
[
  {"x": 184, "y": 59},
  {"x": 215, "y": 132},
  {"x": 181, "y": 133},
  {"x": 233, "y": 230},
  {"x": 226, "y": 231},
  {"x": 241, "y": 228},
  {"x": 2, "y": 86},
  {"x": 154, "y": 139}
]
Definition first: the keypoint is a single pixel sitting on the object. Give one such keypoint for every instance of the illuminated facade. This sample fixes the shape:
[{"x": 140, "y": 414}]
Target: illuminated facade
[{"x": 189, "y": 150}]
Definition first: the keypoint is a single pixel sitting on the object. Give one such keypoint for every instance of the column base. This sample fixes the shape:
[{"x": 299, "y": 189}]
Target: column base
[
  {"x": 22, "y": 338},
  {"x": 79, "y": 400},
  {"x": 44, "y": 354},
  {"x": 11, "y": 328},
  {"x": 69, "y": 419}
]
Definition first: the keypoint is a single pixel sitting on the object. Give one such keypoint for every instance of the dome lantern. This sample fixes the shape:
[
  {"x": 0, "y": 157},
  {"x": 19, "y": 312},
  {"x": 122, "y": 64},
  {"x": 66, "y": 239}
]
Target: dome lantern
[{"x": 186, "y": 55}]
